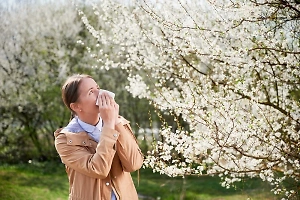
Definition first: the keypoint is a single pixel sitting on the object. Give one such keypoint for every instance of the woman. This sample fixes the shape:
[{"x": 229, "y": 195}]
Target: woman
[{"x": 97, "y": 147}]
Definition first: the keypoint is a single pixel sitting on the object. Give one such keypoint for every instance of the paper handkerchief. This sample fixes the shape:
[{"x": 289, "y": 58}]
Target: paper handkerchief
[{"x": 111, "y": 94}]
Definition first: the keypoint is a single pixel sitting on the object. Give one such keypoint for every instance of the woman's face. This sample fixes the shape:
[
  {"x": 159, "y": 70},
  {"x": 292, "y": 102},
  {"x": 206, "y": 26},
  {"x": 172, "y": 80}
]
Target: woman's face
[{"x": 88, "y": 92}]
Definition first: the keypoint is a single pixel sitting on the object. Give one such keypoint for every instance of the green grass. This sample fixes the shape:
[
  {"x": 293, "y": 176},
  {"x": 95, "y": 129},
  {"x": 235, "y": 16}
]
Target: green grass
[
  {"x": 33, "y": 182},
  {"x": 48, "y": 181},
  {"x": 199, "y": 188}
]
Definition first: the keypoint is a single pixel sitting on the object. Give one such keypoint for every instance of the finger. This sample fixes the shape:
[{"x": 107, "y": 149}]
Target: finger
[
  {"x": 116, "y": 105},
  {"x": 110, "y": 100},
  {"x": 103, "y": 100}
]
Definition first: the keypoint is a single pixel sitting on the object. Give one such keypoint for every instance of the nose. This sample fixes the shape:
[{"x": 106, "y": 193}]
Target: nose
[
  {"x": 97, "y": 92},
  {"x": 97, "y": 97}
]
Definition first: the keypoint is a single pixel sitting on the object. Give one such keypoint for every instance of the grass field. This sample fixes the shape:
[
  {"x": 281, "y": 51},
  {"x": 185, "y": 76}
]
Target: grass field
[{"x": 48, "y": 181}]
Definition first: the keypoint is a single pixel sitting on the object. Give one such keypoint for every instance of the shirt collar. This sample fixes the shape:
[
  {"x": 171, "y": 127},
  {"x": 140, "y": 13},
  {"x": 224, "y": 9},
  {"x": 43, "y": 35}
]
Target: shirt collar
[{"x": 88, "y": 127}]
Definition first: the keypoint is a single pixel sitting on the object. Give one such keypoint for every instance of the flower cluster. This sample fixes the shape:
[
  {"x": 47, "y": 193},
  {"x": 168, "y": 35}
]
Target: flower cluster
[{"x": 230, "y": 69}]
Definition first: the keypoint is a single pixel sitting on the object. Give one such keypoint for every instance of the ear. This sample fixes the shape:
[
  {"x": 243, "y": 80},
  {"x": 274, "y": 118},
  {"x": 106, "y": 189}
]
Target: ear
[{"x": 75, "y": 107}]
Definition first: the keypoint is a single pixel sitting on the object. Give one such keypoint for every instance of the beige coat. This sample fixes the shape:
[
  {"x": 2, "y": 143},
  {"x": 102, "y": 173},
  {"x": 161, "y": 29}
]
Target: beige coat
[{"x": 94, "y": 169}]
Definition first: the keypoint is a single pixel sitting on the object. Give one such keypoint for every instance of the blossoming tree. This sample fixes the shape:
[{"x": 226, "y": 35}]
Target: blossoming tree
[
  {"x": 230, "y": 69},
  {"x": 38, "y": 50},
  {"x": 41, "y": 43}
]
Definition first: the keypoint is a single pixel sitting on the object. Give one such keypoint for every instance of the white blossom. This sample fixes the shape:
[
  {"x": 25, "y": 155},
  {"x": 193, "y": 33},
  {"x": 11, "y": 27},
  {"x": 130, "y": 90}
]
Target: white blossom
[{"x": 229, "y": 68}]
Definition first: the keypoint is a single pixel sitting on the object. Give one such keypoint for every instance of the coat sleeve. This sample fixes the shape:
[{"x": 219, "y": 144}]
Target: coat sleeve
[
  {"x": 79, "y": 158},
  {"x": 128, "y": 150}
]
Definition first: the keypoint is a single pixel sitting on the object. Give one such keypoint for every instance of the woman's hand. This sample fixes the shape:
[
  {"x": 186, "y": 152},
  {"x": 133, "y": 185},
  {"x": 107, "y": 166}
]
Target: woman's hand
[
  {"x": 117, "y": 119},
  {"x": 108, "y": 109}
]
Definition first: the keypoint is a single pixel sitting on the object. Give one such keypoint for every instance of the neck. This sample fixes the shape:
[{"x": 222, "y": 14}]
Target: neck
[{"x": 93, "y": 120}]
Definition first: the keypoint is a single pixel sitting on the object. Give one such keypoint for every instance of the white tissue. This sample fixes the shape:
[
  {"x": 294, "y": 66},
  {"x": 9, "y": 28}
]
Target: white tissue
[{"x": 111, "y": 94}]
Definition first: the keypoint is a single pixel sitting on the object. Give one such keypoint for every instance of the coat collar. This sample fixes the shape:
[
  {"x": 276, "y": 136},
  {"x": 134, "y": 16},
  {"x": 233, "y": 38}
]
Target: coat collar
[{"x": 81, "y": 138}]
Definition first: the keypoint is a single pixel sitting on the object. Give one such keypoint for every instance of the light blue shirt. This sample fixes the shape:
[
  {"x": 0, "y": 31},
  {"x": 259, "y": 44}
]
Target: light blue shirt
[
  {"x": 93, "y": 131},
  {"x": 76, "y": 125}
]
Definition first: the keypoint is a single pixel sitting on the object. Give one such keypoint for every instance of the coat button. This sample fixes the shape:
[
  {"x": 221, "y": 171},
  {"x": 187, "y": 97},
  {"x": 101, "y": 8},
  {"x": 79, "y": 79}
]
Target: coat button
[{"x": 107, "y": 183}]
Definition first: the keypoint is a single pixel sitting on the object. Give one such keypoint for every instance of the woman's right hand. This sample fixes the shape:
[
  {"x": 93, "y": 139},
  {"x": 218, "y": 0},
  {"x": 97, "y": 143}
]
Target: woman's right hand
[{"x": 108, "y": 110}]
